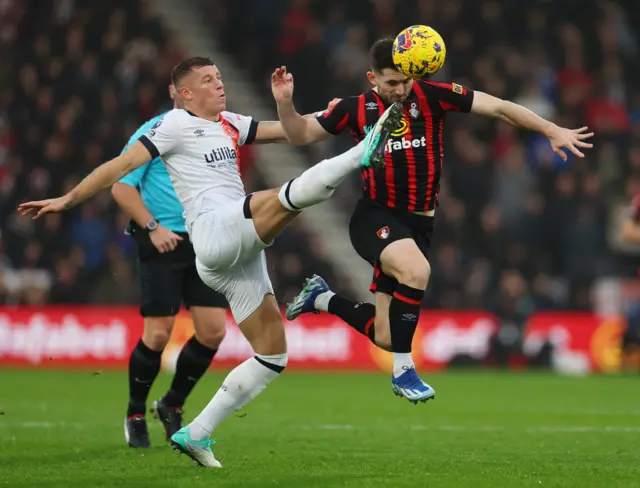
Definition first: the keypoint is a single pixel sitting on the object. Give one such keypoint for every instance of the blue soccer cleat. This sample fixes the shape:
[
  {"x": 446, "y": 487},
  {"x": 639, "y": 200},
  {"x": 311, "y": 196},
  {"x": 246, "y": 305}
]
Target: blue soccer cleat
[
  {"x": 410, "y": 386},
  {"x": 199, "y": 451},
  {"x": 304, "y": 302},
  {"x": 376, "y": 140}
]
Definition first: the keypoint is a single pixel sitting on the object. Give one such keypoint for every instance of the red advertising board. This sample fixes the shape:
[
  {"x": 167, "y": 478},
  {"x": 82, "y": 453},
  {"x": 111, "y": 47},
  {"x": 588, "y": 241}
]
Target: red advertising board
[
  {"x": 102, "y": 337},
  {"x": 583, "y": 341}
]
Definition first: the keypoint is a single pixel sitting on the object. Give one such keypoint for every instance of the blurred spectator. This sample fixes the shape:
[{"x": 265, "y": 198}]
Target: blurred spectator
[{"x": 512, "y": 305}]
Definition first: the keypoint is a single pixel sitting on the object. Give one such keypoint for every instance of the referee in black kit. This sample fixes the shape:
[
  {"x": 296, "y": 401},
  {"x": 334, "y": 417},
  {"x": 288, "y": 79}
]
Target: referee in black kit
[{"x": 168, "y": 278}]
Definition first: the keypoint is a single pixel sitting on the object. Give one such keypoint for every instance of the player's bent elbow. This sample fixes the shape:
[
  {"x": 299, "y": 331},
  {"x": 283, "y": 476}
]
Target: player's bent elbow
[
  {"x": 115, "y": 190},
  {"x": 118, "y": 190},
  {"x": 300, "y": 138}
]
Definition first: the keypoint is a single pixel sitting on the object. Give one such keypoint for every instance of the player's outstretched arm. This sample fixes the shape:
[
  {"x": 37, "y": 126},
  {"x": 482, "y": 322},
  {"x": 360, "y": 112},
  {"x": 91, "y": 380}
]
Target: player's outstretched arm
[
  {"x": 273, "y": 131},
  {"x": 102, "y": 177},
  {"x": 514, "y": 114},
  {"x": 299, "y": 130}
]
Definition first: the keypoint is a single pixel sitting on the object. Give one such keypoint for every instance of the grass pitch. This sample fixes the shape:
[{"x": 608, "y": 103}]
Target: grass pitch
[{"x": 65, "y": 429}]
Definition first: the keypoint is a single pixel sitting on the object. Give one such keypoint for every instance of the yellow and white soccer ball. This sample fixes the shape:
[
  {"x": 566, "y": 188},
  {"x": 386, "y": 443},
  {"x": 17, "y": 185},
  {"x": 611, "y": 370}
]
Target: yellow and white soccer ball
[{"x": 418, "y": 51}]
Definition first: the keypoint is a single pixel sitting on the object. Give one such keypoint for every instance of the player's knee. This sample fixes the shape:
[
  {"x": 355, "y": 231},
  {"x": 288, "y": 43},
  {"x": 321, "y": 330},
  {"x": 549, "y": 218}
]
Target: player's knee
[
  {"x": 416, "y": 276},
  {"x": 413, "y": 271},
  {"x": 157, "y": 332},
  {"x": 272, "y": 340},
  {"x": 405, "y": 262},
  {"x": 264, "y": 329},
  {"x": 210, "y": 325},
  {"x": 211, "y": 337}
]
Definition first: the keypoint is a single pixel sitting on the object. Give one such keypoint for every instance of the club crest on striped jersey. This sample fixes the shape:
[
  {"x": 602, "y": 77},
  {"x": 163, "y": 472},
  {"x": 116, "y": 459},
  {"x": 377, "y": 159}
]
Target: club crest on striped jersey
[
  {"x": 384, "y": 233},
  {"x": 414, "y": 111}
]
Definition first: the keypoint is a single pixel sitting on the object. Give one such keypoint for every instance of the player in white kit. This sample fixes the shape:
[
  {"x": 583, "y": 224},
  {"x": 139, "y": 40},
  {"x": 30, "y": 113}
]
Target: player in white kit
[{"x": 229, "y": 229}]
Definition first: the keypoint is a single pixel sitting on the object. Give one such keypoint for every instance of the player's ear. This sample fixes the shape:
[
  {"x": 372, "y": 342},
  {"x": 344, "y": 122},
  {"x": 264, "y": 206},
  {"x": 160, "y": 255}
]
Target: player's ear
[
  {"x": 372, "y": 78},
  {"x": 184, "y": 92}
]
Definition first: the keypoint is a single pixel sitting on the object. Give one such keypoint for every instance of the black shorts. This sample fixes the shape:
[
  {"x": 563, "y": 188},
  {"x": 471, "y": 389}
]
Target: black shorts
[
  {"x": 373, "y": 227},
  {"x": 169, "y": 279}
]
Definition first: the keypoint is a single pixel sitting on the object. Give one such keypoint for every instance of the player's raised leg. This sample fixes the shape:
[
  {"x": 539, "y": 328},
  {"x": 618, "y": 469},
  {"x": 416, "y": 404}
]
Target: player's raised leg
[{"x": 273, "y": 210}]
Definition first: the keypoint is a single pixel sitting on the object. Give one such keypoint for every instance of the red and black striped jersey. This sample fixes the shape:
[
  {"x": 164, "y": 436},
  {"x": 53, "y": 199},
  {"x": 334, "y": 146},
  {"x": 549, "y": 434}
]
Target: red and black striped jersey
[{"x": 411, "y": 176}]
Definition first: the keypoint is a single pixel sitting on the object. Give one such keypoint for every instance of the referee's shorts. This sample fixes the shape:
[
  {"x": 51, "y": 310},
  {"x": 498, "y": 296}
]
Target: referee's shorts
[{"x": 170, "y": 279}]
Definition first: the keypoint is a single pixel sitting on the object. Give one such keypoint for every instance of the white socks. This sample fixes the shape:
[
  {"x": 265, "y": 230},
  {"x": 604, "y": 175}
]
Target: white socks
[
  {"x": 241, "y": 386},
  {"x": 318, "y": 183},
  {"x": 401, "y": 362},
  {"x": 321, "y": 303}
]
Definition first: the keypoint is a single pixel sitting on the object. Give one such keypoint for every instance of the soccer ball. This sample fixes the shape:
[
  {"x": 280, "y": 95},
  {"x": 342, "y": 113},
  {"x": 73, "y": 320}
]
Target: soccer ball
[{"x": 418, "y": 51}]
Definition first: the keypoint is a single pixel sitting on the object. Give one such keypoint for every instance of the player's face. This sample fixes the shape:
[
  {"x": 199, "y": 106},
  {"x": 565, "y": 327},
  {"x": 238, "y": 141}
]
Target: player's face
[
  {"x": 204, "y": 88},
  {"x": 392, "y": 86}
]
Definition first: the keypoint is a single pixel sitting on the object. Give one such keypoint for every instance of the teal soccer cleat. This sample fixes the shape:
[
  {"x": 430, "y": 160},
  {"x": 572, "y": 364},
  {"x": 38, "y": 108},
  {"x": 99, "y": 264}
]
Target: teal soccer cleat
[
  {"x": 199, "y": 451},
  {"x": 376, "y": 140}
]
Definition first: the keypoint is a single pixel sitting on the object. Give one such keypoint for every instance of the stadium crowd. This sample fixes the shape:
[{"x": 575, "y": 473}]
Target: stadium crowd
[
  {"x": 516, "y": 227},
  {"x": 77, "y": 79}
]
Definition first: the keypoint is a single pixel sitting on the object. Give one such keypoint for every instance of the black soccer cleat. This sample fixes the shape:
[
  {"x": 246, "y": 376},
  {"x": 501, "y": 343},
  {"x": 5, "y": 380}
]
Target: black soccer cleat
[
  {"x": 135, "y": 431},
  {"x": 171, "y": 417}
]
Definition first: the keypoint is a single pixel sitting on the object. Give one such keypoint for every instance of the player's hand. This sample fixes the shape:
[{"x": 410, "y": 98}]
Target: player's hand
[
  {"x": 164, "y": 240},
  {"x": 333, "y": 103},
  {"x": 43, "y": 207},
  {"x": 571, "y": 139},
  {"x": 282, "y": 84}
]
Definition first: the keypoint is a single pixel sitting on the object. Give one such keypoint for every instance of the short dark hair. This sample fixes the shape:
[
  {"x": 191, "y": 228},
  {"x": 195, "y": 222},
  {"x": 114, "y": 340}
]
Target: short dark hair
[
  {"x": 184, "y": 67},
  {"x": 381, "y": 55}
]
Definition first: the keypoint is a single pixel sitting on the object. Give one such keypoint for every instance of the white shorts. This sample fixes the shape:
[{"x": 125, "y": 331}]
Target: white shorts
[{"x": 230, "y": 257}]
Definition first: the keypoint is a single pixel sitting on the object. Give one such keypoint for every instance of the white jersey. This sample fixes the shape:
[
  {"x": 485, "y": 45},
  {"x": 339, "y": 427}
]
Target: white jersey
[{"x": 201, "y": 157}]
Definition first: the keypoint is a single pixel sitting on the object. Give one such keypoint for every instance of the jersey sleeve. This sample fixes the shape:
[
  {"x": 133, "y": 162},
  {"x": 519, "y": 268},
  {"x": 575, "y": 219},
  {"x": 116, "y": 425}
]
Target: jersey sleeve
[
  {"x": 451, "y": 96},
  {"x": 337, "y": 118},
  {"x": 246, "y": 126},
  {"x": 164, "y": 136}
]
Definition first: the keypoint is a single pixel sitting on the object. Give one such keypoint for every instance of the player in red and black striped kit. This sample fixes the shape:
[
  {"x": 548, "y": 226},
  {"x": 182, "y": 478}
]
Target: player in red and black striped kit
[{"x": 392, "y": 224}]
